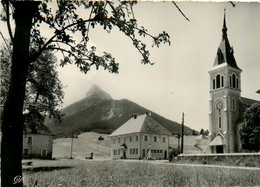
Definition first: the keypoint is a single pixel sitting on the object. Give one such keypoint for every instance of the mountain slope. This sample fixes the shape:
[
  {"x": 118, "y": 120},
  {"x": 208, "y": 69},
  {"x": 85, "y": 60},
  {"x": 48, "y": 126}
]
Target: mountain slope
[{"x": 99, "y": 113}]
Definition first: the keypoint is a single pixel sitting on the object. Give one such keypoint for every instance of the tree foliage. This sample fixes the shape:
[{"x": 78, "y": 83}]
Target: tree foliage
[
  {"x": 43, "y": 89},
  {"x": 250, "y": 129}
]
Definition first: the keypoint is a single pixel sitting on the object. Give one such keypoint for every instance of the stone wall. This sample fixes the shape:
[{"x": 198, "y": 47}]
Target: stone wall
[{"x": 228, "y": 159}]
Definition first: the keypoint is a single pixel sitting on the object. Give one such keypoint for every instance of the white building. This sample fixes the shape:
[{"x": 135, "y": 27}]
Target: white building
[
  {"x": 140, "y": 137},
  {"x": 37, "y": 145}
]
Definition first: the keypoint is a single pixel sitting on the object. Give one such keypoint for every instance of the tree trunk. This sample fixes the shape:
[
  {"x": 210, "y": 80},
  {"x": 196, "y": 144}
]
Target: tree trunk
[{"x": 12, "y": 124}]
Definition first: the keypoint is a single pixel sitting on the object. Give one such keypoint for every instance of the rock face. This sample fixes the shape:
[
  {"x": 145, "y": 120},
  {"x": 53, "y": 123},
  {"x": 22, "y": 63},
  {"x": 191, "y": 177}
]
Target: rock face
[
  {"x": 100, "y": 113},
  {"x": 97, "y": 92}
]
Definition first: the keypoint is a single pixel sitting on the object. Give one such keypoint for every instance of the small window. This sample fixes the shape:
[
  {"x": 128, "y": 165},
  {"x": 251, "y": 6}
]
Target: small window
[
  {"x": 230, "y": 81},
  {"x": 222, "y": 81},
  {"x": 214, "y": 84},
  {"x": 219, "y": 122},
  {"x": 114, "y": 140},
  {"x": 145, "y": 138},
  {"x": 237, "y": 83},
  {"x": 130, "y": 139},
  {"x": 29, "y": 140},
  {"x": 26, "y": 151},
  {"x": 118, "y": 140},
  {"x": 164, "y": 139},
  {"x": 44, "y": 152},
  {"x": 133, "y": 151},
  {"x": 155, "y": 139},
  {"x": 136, "y": 138},
  {"x": 158, "y": 151},
  {"x": 124, "y": 139},
  {"x": 136, "y": 151}
]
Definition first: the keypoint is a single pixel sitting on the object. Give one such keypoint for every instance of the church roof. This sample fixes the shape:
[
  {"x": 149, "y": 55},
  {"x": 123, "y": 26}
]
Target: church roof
[
  {"x": 225, "y": 53},
  {"x": 248, "y": 101},
  {"x": 141, "y": 124}
]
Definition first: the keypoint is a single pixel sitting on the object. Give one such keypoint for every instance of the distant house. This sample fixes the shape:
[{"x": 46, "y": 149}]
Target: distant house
[
  {"x": 192, "y": 144},
  {"x": 140, "y": 137},
  {"x": 37, "y": 146}
]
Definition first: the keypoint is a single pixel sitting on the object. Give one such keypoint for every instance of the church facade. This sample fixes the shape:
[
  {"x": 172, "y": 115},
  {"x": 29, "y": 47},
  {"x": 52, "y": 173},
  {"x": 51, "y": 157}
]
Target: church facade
[{"x": 226, "y": 106}]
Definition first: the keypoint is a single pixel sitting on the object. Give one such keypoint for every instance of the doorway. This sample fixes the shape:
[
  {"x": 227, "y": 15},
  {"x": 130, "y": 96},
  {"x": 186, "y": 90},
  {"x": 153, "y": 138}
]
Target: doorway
[
  {"x": 219, "y": 149},
  {"x": 143, "y": 153},
  {"x": 165, "y": 155}
]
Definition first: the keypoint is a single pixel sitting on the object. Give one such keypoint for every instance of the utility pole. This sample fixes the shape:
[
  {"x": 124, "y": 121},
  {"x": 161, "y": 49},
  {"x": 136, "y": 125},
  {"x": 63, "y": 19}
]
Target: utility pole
[
  {"x": 71, "y": 147},
  {"x": 182, "y": 132}
]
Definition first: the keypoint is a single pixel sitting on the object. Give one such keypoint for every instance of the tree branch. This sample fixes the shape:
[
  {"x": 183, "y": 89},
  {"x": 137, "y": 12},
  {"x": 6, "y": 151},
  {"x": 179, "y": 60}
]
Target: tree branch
[
  {"x": 180, "y": 10},
  {"x": 8, "y": 19},
  {"x": 38, "y": 53}
]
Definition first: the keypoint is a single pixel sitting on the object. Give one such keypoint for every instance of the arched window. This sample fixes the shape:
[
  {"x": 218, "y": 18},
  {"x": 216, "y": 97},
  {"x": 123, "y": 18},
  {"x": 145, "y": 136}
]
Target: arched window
[
  {"x": 218, "y": 81},
  {"x": 233, "y": 104},
  {"x": 234, "y": 81},
  {"x": 222, "y": 81},
  {"x": 237, "y": 83},
  {"x": 220, "y": 122},
  {"x": 230, "y": 81},
  {"x": 214, "y": 86}
]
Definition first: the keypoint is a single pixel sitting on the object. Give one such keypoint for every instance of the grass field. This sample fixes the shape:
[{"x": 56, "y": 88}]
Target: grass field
[{"x": 133, "y": 173}]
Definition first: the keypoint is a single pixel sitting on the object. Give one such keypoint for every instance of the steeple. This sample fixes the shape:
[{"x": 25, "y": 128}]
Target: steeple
[
  {"x": 224, "y": 29},
  {"x": 225, "y": 53}
]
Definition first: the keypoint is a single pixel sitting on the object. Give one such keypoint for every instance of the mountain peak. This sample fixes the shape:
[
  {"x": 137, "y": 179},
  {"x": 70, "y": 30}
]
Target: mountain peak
[{"x": 96, "y": 92}]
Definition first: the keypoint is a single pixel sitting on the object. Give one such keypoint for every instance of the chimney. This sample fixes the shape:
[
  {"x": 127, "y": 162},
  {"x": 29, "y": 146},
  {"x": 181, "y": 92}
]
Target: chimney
[{"x": 134, "y": 116}]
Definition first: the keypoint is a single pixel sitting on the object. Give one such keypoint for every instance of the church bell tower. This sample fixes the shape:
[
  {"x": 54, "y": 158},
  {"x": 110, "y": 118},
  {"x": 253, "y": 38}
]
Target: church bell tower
[{"x": 225, "y": 92}]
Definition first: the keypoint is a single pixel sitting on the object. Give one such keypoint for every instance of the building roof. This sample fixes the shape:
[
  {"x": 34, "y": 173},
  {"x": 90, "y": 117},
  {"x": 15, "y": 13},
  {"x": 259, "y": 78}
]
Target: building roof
[
  {"x": 218, "y": 140},
  {"x": 141, "y": 124},
  {"x": 248, "y": 101},
  {"x": 225, "y": 53}
]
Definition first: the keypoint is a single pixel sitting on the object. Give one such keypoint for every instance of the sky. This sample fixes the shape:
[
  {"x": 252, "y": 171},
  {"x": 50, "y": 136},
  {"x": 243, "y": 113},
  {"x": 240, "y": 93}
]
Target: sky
[{"x": 178, "y": 81}]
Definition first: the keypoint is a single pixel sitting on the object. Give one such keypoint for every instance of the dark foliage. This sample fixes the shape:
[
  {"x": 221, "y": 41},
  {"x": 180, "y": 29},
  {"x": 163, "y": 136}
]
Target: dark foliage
[{"x": 250, "y": 130}]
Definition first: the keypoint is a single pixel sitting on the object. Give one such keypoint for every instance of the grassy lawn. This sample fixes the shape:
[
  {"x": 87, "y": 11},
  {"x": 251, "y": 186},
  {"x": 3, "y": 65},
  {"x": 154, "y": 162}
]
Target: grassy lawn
[{"x": 133, "y": 173}]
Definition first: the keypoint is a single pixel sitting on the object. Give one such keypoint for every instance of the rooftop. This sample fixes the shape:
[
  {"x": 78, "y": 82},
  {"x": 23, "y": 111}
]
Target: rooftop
[{"x": 141, "y": 124}]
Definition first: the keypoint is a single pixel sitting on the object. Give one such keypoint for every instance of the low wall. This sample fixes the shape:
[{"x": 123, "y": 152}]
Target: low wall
[{"x": 229, "y": 159}]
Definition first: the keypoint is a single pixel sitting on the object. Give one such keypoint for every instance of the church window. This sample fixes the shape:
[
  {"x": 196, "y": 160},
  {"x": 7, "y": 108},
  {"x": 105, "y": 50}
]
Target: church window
[
  {"x": 233, "y": 104},
  {"x": 230, "y": 81},
  {"x": 222, "y": 81},
  {"x": 233, "y": 81},
  {"x": 218, "y": 81},
  {"x": 237, "y": 83},
  {"x": 214, "y": 84},
  {"x": 219, "y": 122}
]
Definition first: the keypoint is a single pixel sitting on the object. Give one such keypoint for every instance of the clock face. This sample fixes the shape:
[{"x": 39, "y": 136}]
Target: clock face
[{"x": 219, "y": 105}]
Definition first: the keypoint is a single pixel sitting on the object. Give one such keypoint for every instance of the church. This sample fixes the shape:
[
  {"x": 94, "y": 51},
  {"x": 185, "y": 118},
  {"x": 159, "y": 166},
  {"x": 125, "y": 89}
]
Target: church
[{"x": 226, "y": 106}]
